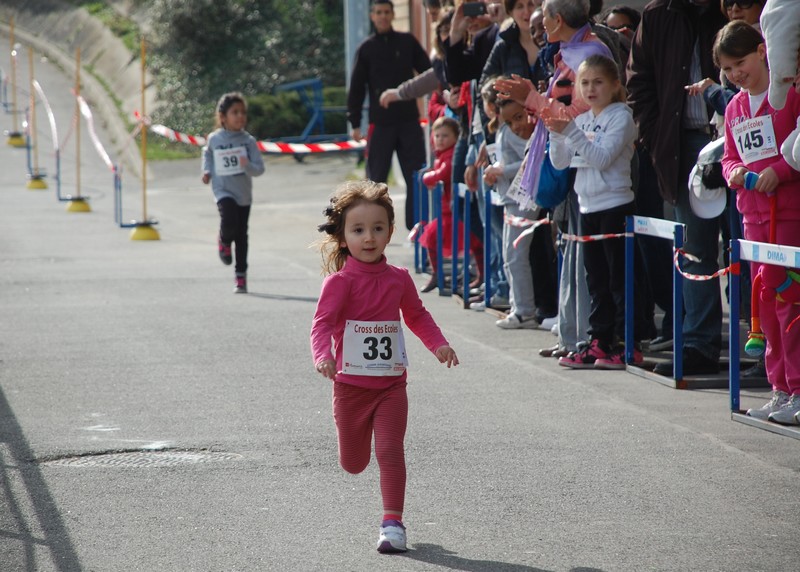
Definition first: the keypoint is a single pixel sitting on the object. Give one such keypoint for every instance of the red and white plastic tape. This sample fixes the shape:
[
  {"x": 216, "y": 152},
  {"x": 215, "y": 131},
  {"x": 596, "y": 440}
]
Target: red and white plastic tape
[
  {"x": 267, "y": 147},
  {"x": 87, "y": 113},
  {"x": 697, "y": 277}
]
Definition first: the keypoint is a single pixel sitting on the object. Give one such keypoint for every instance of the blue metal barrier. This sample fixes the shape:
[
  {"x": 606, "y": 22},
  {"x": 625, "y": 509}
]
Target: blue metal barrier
[
  {"x": 437, "y": 211},
  {"x": 676, "y": 233},
  {"x": 487, "y": 241},
  {"x": 421, "y": 218},
  {"x": 467, "y": 232},
  {"x": 763, "y": 253},
  {"x": 311, "y": 96}
]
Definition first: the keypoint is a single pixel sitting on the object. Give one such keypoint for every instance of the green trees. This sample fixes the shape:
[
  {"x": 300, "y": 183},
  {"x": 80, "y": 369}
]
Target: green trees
[{"x": 204, "y": 48}]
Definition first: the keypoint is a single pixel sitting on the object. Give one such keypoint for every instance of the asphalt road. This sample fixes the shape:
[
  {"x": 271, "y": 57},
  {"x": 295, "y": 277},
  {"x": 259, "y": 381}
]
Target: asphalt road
[{"x": 109, "y": 345}]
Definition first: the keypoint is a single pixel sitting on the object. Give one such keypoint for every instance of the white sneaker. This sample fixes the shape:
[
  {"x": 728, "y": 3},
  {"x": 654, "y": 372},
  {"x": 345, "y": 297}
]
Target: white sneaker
[
  {"x": 779, "y": 398},
  {"x": 554, "y": 329},
  {"x": 549, "y": 323},
  {"x": 515, "y": 322},
  {"x": 787, "y": 414},
  {"x": 392, "y": 537}
]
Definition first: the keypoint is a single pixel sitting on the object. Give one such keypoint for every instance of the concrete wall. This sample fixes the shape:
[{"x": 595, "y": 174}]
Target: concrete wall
[{"x": 56, "y": 29}]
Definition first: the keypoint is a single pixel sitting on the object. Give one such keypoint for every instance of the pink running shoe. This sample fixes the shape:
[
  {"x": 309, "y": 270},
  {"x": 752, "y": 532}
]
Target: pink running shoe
[
  {"x": 616, "y": 359},
  {"x": 585, "y": 358},
  {"x": 224, "y": 252}
]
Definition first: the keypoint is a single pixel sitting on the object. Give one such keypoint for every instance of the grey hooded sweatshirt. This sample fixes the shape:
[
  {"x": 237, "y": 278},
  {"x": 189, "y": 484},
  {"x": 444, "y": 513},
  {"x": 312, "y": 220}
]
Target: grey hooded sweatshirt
[{"x": 221, "y": 161}]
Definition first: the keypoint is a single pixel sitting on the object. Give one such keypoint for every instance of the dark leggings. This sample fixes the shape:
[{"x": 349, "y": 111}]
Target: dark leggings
[
  {"x": 233, "y": 229},
  {"x": 605, "y": 273}
]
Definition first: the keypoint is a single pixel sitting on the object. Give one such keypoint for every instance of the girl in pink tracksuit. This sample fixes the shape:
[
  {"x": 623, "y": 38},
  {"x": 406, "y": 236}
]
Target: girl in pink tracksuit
[
  {"x": 754, "y": 132},
  {"x": 357, "y": 342}
]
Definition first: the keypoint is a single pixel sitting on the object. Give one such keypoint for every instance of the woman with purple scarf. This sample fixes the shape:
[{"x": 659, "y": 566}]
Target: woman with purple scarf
[{"x": 567, "y": 22}]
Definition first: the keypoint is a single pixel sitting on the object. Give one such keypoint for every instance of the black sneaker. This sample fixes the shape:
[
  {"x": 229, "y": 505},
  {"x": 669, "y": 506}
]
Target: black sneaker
[
  {"x": 224, "y": 252},
  {"x": 694, "y": 363}
]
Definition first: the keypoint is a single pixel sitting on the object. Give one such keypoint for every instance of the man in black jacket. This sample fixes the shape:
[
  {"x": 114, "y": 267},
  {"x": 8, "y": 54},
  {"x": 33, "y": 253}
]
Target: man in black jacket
[
  {"x": 671, "y": 50},
  {"x": 383, "y": 61}
]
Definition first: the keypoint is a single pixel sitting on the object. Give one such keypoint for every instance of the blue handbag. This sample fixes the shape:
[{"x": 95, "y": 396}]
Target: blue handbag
[{"x": 553, "y": 183}]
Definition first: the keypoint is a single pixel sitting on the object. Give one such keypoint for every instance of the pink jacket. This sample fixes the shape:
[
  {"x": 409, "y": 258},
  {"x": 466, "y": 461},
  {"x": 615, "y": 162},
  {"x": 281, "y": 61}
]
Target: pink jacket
[
  {"x": 368, "y": 292},
  {"x": 754, "y": 205}
]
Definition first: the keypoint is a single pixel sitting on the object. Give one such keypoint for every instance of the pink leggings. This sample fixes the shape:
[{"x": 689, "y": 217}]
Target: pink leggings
[
  {"x": 358, "y": 412},
  {"x": 782, "y": 359}
]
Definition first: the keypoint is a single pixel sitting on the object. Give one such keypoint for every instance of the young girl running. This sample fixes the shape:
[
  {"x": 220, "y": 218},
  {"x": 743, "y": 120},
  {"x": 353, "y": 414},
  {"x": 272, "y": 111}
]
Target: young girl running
[
  {"x": 358, "y": 321},
  {"x": 599, "y": 144},
  {"x": 230, "y": 161},
  {"x": 754, "y": 132}
]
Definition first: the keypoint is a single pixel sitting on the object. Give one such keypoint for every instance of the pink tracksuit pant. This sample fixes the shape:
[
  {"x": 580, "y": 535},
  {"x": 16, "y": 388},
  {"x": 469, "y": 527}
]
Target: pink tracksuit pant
[
  {"x": 359, "y": 412},
  {"x": 783, "y": 349}
]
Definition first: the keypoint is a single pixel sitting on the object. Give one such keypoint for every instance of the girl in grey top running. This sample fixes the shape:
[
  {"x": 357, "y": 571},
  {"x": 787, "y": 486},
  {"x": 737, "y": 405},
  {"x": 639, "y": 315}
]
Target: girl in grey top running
[{"x": 231, "y": 159}]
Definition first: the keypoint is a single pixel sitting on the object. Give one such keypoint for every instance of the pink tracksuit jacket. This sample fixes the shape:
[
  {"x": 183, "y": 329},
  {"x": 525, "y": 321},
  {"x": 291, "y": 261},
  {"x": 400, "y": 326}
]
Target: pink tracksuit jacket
[{"x": 368, "y": 292}]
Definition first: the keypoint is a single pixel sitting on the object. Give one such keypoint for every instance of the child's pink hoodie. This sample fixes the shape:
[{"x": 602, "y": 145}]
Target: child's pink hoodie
[
  {"x": 368, "y": 292},
  {"x": 754, "y": 205}
]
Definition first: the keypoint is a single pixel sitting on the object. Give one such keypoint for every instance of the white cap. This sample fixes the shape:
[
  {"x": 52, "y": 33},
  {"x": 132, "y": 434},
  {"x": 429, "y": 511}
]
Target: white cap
[{"x": 706, "y": 203}]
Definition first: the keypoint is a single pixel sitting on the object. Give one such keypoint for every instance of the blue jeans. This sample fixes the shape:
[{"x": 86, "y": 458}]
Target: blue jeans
[{"x": 702, "y": 324}]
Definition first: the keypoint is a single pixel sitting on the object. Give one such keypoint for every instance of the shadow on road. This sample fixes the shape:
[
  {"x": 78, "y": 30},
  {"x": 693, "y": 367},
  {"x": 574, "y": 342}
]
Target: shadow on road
[
  {"x": 284, "y": 297},
  {"x": 30, "y": 522},
  {"x": 435, "y": 554}
]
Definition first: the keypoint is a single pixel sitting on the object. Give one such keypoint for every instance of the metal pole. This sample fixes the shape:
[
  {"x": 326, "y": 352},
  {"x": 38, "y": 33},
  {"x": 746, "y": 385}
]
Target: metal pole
[
  {"x": 487, "y": 245},
  {"x": 467, "y": 242},
  {"x": 677, "y": 310},
  {"x": 144, "y": 138},
  {"x": 629, "y": 294},
  {"x": 78, "y": 125},
  {"x": 32, "y": 123},
  {"x": 437, "y": 210},
  {"x": 14, "y": 122},
  {"x": 733, "y": 331}
]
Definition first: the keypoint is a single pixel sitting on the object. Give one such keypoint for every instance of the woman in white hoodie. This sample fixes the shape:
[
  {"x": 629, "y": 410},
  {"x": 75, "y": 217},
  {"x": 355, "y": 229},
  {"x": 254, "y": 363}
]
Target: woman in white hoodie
[{"x": 599, "y": 144}]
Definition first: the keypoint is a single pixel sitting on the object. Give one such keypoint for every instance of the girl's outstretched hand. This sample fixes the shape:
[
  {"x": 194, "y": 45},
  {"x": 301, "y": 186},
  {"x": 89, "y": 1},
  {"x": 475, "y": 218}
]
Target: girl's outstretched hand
[
  {"x": 446, "y": 354},
  {"x": 698, "y": 88},
  {"x": 555, "y": 120},
  {"x": 327, "y": 367}
]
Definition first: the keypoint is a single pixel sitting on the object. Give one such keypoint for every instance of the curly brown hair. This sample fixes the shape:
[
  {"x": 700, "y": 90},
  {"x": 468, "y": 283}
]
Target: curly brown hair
[{"x": 345, "y": 197}]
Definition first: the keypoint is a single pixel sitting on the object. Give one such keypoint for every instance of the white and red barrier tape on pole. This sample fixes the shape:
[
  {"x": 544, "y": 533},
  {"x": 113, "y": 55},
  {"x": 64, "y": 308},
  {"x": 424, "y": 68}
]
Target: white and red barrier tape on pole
[
  {"x": 268, "y": 147},
  {"x": 697, "y": 277}
]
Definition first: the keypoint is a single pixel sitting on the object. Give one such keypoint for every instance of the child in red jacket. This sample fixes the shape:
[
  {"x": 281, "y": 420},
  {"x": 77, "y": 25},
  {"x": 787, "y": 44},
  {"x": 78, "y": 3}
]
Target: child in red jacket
[{"x": 445, "y": 134}]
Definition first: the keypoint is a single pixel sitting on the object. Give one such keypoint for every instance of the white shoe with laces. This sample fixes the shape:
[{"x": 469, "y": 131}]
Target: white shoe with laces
[
  {"x": 392, "y": 537},
  {"x": 515, "y": 322},
  {"x": 787, "y": 414},
  {"x": 779, "y": 398}
]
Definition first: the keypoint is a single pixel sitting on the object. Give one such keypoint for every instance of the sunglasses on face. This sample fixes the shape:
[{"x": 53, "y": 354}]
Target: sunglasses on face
[{"x": 743, "y": 4}]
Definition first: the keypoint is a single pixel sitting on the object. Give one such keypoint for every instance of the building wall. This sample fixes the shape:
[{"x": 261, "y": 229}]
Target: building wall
[{"x": 410, "y": 16}]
